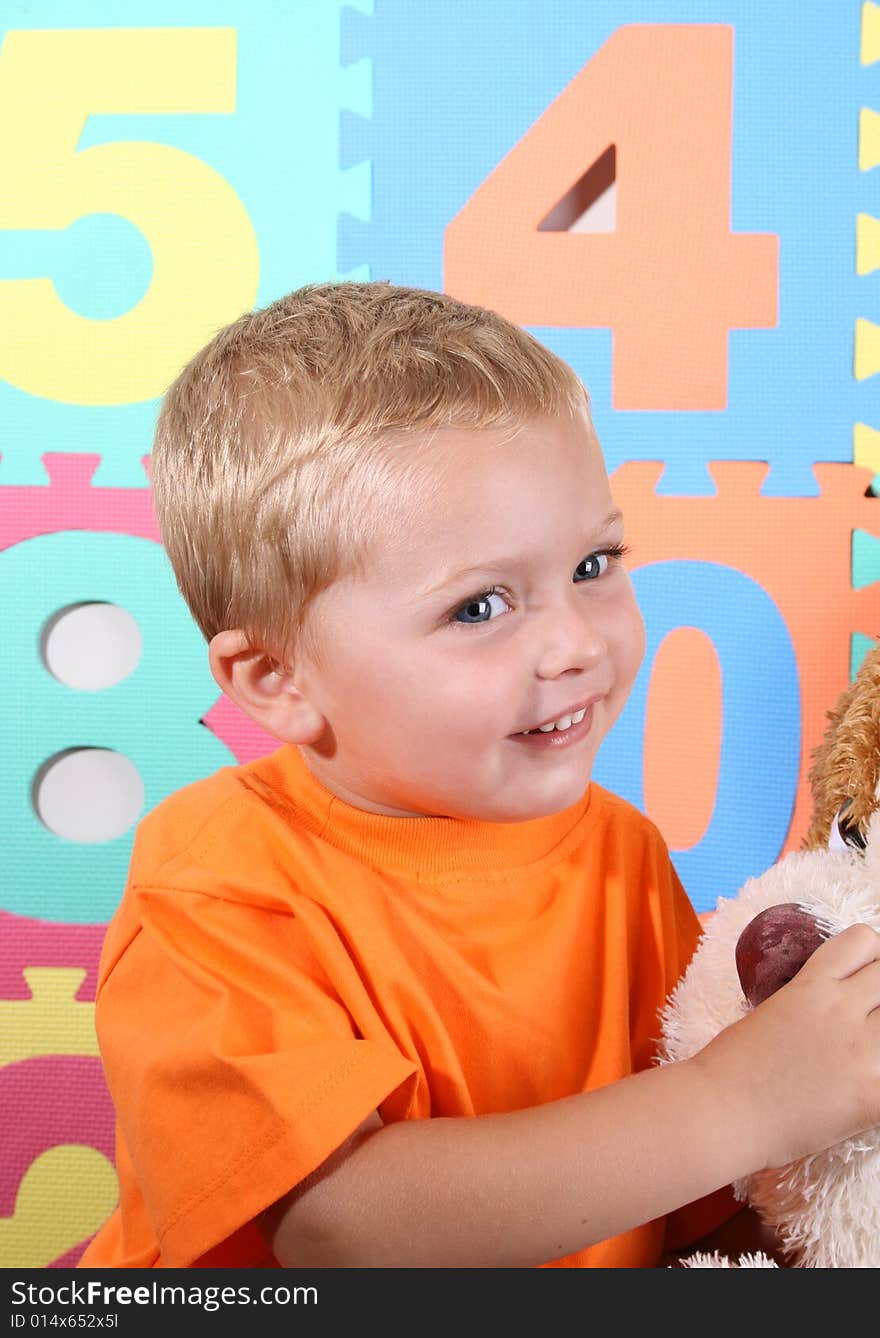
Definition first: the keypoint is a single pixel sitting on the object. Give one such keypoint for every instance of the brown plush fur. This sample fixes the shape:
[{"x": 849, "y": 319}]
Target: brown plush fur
[{"x": 846, "y": 763}]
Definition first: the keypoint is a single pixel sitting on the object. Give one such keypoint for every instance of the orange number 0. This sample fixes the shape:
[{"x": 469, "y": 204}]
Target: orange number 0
[{"x": 672, "y": 280}]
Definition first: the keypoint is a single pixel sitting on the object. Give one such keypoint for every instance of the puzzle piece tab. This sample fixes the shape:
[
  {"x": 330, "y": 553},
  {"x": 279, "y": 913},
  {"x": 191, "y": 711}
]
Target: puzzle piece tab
[
  {"x": 52, "y": 1021},
  {"x": 870, "y": 37},
  {"x": 71, "y": 502},
  {"x": 25, "y": 942},
  {"x": 867, "y": 244}
]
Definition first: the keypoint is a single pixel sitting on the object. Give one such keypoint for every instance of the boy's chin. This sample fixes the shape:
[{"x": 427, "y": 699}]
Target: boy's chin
[{"x": 525, "y": 809}]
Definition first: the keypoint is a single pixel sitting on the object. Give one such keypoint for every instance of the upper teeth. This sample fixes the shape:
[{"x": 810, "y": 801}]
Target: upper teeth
[{"x": 562, "y": 723}]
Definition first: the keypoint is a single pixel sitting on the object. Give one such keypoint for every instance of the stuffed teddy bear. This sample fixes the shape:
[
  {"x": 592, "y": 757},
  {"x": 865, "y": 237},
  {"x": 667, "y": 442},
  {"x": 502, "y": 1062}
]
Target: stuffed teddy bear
[{"x": 825, "y": 1208}]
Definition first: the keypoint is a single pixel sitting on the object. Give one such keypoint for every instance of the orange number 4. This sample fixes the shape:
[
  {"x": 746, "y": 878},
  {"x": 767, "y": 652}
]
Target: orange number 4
[{"x": 652, "y": 110}]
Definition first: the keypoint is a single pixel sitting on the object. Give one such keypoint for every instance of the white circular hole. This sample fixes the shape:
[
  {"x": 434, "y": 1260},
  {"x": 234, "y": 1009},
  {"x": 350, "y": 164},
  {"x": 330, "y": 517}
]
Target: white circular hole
[
  {"x": 91, "y": 646},
  {"x": 88, "y": 794}
]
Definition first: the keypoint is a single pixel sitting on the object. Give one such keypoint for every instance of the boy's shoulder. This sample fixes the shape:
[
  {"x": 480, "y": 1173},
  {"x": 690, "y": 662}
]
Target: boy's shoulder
[{"x": 215, "y": 822}]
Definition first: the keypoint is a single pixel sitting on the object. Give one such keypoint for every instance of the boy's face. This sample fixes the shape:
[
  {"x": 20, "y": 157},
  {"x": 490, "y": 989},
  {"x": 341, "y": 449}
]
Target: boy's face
[{"x": 492, "y": 607}]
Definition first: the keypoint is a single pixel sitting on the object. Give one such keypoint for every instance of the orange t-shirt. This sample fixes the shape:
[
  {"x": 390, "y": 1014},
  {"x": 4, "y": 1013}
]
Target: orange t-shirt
[{"x": 282, "y": 964}]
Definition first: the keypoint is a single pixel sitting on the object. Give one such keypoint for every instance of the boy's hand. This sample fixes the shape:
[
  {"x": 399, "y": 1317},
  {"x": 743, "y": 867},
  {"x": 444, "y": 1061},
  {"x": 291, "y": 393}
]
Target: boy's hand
[{"x": 807, "y": 1059}]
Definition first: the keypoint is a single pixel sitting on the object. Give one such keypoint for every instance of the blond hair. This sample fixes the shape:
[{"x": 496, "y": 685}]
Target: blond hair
[{"x": 276, "y": 443}]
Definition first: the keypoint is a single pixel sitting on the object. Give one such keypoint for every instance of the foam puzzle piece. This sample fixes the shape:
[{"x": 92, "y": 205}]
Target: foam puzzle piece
[
  {"x": 72, "y": 502},
  {"x": 869, "y": 49},
  {"x": 866, "y": 452},
  {"x": 26, "y": 942},
  {"x": 80, "y": 881},
  {"x": 262, "y": 144},
  {"x": 433, "y": 141},
  {"x": 866, "y": 358},
  {"x": 867, "y": 244},
  {"x": 46, "y": 1102},
  {"x": 865, "y": 559},
  {"x": 869, "y": 139},
  {"x": 787, "y": 542},
  {"x": 52, "y": 1021},
  {"x": 381, "y": 186},
  {"x": 52, "y": 1087},
  {"x": 48, "y": 1223}
]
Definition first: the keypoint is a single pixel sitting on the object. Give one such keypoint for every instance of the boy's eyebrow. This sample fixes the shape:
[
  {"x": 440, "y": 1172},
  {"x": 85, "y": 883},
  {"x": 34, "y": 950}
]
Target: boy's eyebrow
[{"x": 454, "y": 577}]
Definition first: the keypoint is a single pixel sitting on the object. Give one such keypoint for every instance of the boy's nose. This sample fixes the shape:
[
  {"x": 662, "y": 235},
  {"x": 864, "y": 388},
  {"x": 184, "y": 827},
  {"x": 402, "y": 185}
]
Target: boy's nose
[{"x": 571, "y": 641}]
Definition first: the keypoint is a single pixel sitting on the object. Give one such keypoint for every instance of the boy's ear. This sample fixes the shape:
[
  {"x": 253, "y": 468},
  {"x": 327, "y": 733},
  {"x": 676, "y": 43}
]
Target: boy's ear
[{"x": 263, "y": 689}]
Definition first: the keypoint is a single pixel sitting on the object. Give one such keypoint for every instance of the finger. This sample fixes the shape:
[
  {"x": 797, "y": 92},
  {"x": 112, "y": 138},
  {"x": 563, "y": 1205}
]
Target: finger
[
  {"x": 863, "y": 987},
  {"x": 846, "y": 952}
]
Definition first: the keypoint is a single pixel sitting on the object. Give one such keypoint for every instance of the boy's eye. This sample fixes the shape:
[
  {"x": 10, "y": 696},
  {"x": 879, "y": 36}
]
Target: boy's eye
[
  {"x": 595, "y": 564},
  {"x": 480, "y": 609}
]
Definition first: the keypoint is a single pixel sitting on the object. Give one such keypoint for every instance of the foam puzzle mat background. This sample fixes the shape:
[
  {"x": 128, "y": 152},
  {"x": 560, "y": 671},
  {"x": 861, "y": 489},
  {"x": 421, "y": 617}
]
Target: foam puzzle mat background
[{"x": 681, "y": 197}]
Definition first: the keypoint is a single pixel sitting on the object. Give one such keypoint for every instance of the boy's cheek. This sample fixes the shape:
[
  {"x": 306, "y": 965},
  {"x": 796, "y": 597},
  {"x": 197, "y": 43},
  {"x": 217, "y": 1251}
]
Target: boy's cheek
[
  {"x": 634, "y": 641},
  {"x": 641, "y": 643}
]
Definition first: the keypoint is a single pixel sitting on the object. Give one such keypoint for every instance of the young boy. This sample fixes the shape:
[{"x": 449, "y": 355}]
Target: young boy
[{"x": 389, "y": 996}]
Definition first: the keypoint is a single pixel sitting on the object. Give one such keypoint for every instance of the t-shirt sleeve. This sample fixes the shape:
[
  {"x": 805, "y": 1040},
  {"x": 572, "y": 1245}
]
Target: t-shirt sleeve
[{"x": 234, "y": 1066}]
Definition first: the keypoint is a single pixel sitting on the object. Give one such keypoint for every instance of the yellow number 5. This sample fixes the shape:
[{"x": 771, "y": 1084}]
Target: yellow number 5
[{"x": 205, "y": 257}]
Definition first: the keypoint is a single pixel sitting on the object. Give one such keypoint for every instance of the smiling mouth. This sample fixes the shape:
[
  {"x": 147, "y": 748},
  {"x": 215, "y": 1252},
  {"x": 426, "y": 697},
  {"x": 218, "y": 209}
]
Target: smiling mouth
[
  {"x": 562, "y": 722},
  {"x": 560, "y": 725},
  {"x": 558, "y": 733}
]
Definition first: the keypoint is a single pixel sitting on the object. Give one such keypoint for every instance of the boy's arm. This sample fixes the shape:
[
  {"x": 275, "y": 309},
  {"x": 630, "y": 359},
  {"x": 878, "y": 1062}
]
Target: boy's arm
[
  {"x": 515, "y": 1189},
  {"x": 795, "y": 1075}
]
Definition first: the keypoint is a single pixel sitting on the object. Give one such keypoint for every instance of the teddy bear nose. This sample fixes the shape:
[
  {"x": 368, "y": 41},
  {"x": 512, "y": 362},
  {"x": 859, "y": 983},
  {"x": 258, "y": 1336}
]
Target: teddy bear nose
[{"x": 773, "y": 947}]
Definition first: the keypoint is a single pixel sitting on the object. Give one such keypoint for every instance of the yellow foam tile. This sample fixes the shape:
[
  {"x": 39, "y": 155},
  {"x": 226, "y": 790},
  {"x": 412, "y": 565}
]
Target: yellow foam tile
[
  {"x": 870, "y": 44},
  {"x": 869, "y": 139},
  {"x": 866, "y": 360},
  {"x": 866, "y": 447},
  {"x": 867, "y": 244}
]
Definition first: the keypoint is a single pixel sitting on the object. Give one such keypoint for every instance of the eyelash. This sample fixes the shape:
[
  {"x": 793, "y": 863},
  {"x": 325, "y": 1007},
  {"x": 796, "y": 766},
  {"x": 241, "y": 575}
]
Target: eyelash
[{"x": 614, "y": 553}]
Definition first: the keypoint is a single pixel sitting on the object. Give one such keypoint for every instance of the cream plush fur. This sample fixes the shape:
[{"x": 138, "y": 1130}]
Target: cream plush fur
[{"x": 825, "y": 1208}]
